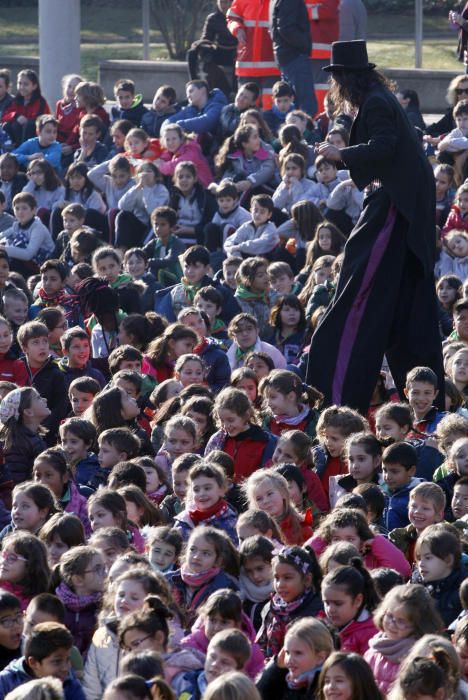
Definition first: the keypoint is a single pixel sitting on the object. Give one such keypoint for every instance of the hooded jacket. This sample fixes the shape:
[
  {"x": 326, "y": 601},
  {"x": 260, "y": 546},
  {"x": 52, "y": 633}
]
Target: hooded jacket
[
  {"x": 204, "y": 120},
  {"x": 219, "y": 370},
  {"x": 355, "y": 636},
  {"x": 134, "y": 113},
  {"x": 261, "y": 170},
  {"x": 17, "y": 672},
  {"x": 190, "y": 150}
]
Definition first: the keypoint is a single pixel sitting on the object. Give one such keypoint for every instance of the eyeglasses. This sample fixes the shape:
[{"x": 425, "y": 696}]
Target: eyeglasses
[
  {"x": 12, "y": 558},
  {"x": 399, "y": 624},
  {"x": 136, "y": 643},
  {"x": 461, "y": 91},
  {"x": 9, "y": 622},
  {"x": 99, "y": 569}
]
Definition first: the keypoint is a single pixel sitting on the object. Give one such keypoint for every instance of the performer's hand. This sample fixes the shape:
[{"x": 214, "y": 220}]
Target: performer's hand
[{"x": 328, "y": 151}]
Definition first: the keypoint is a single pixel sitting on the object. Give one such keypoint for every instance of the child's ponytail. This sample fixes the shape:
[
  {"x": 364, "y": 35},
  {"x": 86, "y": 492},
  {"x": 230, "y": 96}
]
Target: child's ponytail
[
  {"x": 284, "y": 382},
  {"x": 152, "y": 618},
  {"x": 426, "y": 676}
]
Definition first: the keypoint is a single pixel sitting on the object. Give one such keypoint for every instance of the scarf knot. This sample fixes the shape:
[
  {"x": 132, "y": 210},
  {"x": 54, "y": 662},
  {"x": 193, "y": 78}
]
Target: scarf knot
[{"x": 218, "y": 509}]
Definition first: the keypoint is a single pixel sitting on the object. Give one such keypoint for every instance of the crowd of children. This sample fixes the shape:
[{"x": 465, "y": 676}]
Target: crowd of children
[{"x": 181, "y": 517}]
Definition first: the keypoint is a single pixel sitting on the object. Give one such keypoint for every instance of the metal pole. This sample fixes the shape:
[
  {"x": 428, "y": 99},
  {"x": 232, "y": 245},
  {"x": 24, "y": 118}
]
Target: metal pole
[
  {"x": 59, "y": 49},
  {"x": 418, "y": 33},
  {"x": 145, "y": 8}
]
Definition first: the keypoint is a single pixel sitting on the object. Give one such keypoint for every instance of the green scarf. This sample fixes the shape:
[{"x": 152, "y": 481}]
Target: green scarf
[
  {"x": 246, "y": 294},
  {"x": 121, "y": 280},
  {"x": 190, "y": 289},
  {"x": 217, "y": 326},
  {"x": 241, "y": 354}
]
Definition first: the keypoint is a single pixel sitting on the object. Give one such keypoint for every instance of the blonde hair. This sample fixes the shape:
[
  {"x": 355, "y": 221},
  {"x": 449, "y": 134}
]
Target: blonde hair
[
  {"x": 453, "y": 451},
  {"x": 232, "y": 686},
  {"x": 266, "y": 476},
  {"x": 47, "y": 688},
  {"x": 428, "y": 491},
  {"x": 313, "y": 633},
  {"x": 419, "y": 607}
]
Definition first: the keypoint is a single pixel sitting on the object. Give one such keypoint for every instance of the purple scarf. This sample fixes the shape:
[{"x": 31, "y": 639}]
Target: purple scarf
[
  {"x": 74, "y": 602},
  {"x": 283, "y": 609}
]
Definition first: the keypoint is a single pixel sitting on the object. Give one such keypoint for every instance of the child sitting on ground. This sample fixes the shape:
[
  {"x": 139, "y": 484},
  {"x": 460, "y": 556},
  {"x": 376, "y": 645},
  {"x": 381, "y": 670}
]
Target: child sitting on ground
[
  {"x": 454, "y": 255},
  {"x": 258, "y": 236},
  {"x": 228, "y": 219},
  {"x": 244, "y": 332},
  {"x": 28, "y": 240}
]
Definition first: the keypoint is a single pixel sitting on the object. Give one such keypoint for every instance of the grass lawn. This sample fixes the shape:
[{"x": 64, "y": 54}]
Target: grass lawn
[{"x": 117, "y": 34}]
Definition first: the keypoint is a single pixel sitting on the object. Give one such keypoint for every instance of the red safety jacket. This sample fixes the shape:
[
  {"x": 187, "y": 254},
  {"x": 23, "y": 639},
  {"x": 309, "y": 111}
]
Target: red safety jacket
[
  {"x": 256, "y": 59},
  {"x": 325, "y": 25}
]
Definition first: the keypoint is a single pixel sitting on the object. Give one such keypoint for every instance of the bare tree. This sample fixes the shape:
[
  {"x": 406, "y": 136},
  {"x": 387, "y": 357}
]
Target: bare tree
[{"x": 179, "y": 21}]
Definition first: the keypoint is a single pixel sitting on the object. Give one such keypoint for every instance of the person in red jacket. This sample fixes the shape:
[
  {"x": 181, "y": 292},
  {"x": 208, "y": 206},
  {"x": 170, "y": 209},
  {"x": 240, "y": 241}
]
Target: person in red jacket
[
  {"x": 325, "y": 29},
  {"x": 19, "y": 119},
  {"x": 67, "y": 111},
  {"x": 248, "y": 21}
]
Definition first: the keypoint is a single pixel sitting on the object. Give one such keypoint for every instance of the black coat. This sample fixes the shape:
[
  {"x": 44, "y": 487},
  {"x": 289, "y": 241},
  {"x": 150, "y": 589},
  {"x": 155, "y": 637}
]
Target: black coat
[
  {"x": 384, "y": 146},
  {"x": 272, "y": 685},
  {"x": 290, "y": 30}
]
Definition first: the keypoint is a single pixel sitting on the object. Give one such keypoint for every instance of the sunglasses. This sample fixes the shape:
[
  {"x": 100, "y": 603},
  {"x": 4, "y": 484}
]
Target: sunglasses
[{"x": 461, "y": 91}]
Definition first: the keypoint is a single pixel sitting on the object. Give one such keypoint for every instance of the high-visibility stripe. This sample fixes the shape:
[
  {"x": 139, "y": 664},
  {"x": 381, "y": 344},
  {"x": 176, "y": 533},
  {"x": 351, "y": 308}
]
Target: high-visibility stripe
[
  {"x": 322, "y": 47},
  {"x": 256, "y": 23},
  {"x": 315, "y": 13},
  {"x": 257, "y": 64},
  {"x": 321, "y": 86},
  {"x": 232, "y": 16}
]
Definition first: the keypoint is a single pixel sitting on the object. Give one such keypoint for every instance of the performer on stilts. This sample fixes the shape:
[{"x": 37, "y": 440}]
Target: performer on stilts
[{"x": 385, "y": 302}]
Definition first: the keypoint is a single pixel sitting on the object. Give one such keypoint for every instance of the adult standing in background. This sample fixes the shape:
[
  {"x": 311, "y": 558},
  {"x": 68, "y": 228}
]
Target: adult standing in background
[
  {"x": 325, "y": 29},
  {"x": 248, "y": 21},
  {"x": 290, "y": 32},
  {"x": 460, "y": 20},
  {"x": 353, "y": 20}
]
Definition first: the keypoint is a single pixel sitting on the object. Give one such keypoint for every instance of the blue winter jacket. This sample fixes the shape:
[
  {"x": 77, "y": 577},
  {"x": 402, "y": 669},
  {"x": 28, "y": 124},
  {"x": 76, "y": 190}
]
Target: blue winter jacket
[
  {"x": 219, "y": 369},
  {"x": 90, "y": 473},
  {"x": 396, "y": 505},
  {"x": 225, "y": 522},
  {"x": 163, "y": 301},
  {"x": 16, "y": 674},
  {"x": 201, "y": 121}
]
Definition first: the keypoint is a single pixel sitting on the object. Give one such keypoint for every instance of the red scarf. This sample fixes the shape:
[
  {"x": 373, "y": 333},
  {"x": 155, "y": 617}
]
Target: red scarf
[{"x": 198, "y": 516}]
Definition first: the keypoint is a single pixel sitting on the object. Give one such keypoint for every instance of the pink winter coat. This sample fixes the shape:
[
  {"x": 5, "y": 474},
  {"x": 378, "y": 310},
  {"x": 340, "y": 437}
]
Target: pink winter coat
[
  {"x": 190, "y": 150},
  {"x": 356, "y": 635},
  {"x": 384, "y": 656},
  {"x": 77, "y": 505},
  {"x": 199, "y": 641},
  {"x": 379, "y": 552}
]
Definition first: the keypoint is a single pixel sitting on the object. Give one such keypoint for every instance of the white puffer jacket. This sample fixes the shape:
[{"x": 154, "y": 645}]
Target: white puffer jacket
[{"x": 102, "y": 662}]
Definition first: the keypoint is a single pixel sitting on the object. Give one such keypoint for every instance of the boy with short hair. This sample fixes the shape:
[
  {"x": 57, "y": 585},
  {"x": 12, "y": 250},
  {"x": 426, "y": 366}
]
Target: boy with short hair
[
  {"x": 398, "y": 468},
  {"x": 125, "y": 357},
  {"x": 281, "y": 278},
  {"x": 28, "y": 240},
  {"x": 127, "y": 473},
  {"x": 328, "y": 177},
  {"x": 76, "y": 349},
  {"x": 52, "y": 292},
  {"x": 196, "y": 265},
  {"x": 164, "y": 249},
  {"x": 203, "y": 110},
  {"x": 81, "y": 393},
  {"x": 6, "y": 219},
  {"x": 91, "y": 151},
  {"x": 44, "y": 374},
  {"x": 46, "y": 653},
  {"x": 283, "y": 103},
  {"x": 73, "y": 217},
  {"x": 128, "y": 105},
  {"x": 44, "y": 145},
  {"x": 421, "y": 390},
  {"x": 164, "y": 105},
  {"x": 426, "y": 507},
  {"x": 459, "y": 502},
  {"x": 15, "y": 310},
  {"x": 246, "y": 98},
  {"x": 12, "y": 181},
  {"x": 115, "y": 445},
  {"x": 229, "y": 217},
  {"x": 258, "y": 236},
  {"x": 457, "y": 139},
  {"x": 228, "y": 650},
  {"x": 78, "y": 437}
]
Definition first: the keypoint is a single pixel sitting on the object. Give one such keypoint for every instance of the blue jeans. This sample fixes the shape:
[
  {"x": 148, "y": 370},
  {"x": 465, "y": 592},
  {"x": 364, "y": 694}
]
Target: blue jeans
[{"x": 298, "y": 73}]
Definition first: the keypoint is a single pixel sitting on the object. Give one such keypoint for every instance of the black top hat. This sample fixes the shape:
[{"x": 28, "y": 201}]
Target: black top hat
[{"x": 349, "y": 56}]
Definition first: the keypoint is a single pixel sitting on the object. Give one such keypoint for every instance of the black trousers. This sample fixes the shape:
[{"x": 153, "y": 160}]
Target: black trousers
[{"x": 385, "y": 304}]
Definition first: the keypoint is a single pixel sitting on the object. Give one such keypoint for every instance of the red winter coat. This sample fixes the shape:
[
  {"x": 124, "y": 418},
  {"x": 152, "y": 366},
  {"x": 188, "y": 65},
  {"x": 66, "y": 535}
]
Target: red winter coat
[
  {"x": 356, "y": 635},
  {"x": 30, "y": 111},
  {"x": 12, "y": 370},
  {"x": 68, "y": 116},
  {"x": 190, "y": 150},
  {"x": 290, "y": 534},
  {"x": 256, "y": 58},
  {"x": 325, "y": 26}
]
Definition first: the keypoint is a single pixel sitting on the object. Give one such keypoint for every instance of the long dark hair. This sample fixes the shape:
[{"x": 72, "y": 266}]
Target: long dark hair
[
  {"x": 81, "y": 169},
  {"x": 349, "y": 88}
]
